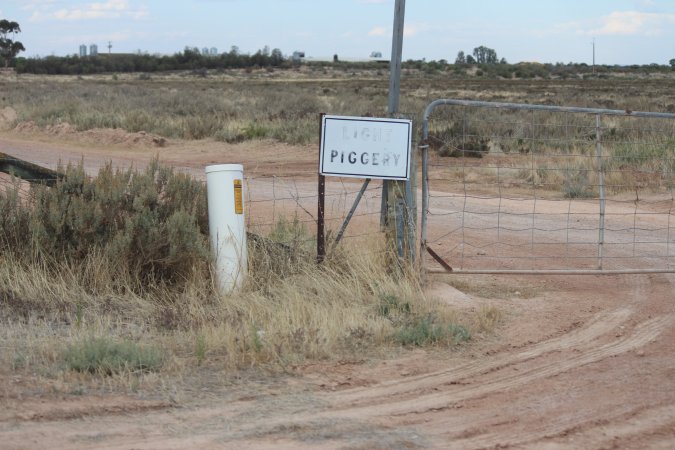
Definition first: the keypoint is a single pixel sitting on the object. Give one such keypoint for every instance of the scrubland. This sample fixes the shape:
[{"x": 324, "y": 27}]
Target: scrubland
[{"x": 109, "y": 278}]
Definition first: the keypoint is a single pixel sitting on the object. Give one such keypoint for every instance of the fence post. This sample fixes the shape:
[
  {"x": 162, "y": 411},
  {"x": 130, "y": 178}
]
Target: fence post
[
  {"x": 320, "y": 219},
  {"x": 425, "y": 201},
  {"x": 601, "y": 188}
]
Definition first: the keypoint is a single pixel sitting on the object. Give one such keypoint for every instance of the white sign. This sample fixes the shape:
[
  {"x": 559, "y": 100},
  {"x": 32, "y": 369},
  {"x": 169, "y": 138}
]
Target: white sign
[{"x": 365, "y": 147}]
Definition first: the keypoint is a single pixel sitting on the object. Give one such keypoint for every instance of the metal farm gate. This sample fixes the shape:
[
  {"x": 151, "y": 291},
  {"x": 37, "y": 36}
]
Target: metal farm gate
[{"x": 516, "y": 188}]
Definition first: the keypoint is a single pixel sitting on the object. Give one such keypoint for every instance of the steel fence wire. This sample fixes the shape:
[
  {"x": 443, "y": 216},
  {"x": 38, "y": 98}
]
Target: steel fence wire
[
  {"x": 534, "y": 188},
  {"x": 275, "y": 199}
]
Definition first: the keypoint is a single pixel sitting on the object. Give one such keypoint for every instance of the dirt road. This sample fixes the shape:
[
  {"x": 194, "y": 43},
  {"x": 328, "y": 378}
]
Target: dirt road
[{"x": 579, "y": 362}]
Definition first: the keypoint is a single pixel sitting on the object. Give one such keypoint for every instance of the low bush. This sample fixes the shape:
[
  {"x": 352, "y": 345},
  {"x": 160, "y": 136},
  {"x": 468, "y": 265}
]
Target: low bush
[
  {"x": 150, "y": 226},
  {"x": 107, "y": 356},
  {"x": 428, "y": 331}
]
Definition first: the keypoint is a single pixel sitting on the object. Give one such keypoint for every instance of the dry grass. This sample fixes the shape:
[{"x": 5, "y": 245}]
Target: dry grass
[
  {"x": 235, "y": 106},
  {"x": 53, "y": 325}
]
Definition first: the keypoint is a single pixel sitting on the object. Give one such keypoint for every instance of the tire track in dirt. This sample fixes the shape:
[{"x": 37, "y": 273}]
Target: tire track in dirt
[
  {"x": 393, "y": 409},
  {"x": 642, "y": 335},
  {"x": 650, "y": 421},
  {"x": 578, "y": 338},
  {"x": 619, "y": 422}
]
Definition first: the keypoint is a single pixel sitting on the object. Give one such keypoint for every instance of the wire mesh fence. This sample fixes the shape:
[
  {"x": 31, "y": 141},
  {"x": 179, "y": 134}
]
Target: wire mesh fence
[
  {"x": 511, "y": 187},
  {"x": 284, "y": 206},
  {"x": 275, "y": 201}
]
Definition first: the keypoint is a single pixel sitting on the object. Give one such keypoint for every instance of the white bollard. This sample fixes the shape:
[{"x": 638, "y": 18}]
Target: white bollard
[{"x": 225, "y": 193}]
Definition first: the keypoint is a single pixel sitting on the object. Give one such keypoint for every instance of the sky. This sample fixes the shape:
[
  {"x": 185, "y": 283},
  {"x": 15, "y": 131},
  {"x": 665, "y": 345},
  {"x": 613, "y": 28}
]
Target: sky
[{"x": 625, "y": 31}]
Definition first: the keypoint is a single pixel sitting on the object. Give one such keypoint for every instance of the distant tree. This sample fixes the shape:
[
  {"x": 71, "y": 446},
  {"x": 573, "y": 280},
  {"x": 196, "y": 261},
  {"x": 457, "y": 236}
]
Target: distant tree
[
  {"x": 461, "y": 58},
  {"x": 503, "y": 61},
  {"x": 9, "y": 48},
  {"x": 277, "y": 57},
  {"x": 485, "y": 55},
  {"x": 470, "y": 59},
  {"x": 672, "y": 63}
]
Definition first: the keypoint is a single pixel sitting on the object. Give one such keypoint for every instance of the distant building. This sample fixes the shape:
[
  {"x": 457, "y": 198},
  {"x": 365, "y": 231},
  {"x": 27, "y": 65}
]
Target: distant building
[
  {"x": 205, "y": 51},
  {"x": 213, "y": 51},
  {"x": 93, "y": 50},
  {"x": 376, "y": 54},
  {"x": 298, "y": 56},
  {"x": 83, "y": 51}
]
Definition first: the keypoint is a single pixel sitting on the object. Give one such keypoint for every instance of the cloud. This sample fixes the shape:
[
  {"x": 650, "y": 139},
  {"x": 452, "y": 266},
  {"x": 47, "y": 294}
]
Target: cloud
[
  {"x": 30, "y": 5},
  {"x": 111, "y": 9},
  {"x": 617, "y": 23},
  {"x": 632, "y": 23},
  {"x": 378, "y": 32},
  {"x": 413, "y": 29}
]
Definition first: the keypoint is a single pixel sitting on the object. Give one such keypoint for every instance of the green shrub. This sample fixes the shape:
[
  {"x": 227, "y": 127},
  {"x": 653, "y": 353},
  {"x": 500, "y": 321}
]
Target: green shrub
[
  {"x": 390, "y": 305},
  {"x": 425, "y": 331},
  {"x": 106, "y": 356}
]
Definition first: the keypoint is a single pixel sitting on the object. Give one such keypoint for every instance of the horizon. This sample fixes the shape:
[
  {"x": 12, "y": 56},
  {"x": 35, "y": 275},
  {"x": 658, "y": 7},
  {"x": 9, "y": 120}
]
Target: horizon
[{"x": 625, "y": 32}]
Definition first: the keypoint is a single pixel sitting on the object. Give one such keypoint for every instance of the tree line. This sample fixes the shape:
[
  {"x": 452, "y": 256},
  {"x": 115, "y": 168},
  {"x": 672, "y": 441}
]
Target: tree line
[
  {"x": 191, "y": 59},
  {"x": 188, "y": 59}
]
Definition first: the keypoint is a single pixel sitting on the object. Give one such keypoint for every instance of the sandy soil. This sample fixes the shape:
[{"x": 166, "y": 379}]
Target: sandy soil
[{"x": 579, "y": 362}]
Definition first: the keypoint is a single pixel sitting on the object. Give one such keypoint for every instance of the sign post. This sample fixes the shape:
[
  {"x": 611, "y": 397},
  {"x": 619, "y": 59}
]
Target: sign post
[{"x": 361, "y": 147}]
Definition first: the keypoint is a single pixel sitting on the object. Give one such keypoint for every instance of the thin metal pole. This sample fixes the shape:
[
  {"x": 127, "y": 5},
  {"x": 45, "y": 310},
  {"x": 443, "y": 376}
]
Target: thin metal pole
[
  {"x": 601, "y": 187},
  {"x": 394, "y": 91},
  {"x": 411, "y": 211},
  {"x": 396, "y": 56},
  {"x": 425, "y": 198},
  {"x": 411, "y": 207},
  {"x": 383, "y": 205},
  {"x": 320, "y": 221},
  {"x": 400, "y": 220}
]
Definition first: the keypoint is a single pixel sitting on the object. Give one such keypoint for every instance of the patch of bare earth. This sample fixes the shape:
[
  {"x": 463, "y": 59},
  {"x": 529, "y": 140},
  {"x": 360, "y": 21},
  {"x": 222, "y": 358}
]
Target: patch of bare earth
[{"x": 577, "y": 362}]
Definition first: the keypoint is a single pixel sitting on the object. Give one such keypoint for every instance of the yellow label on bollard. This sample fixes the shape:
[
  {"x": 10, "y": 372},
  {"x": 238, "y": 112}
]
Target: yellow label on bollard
[{"x": 238, "y": 197}]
